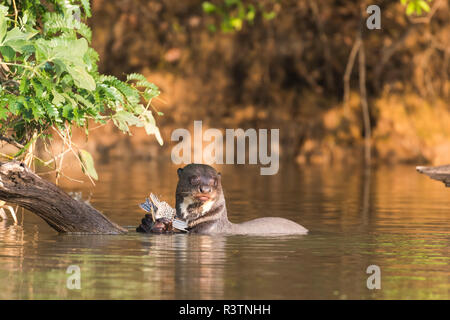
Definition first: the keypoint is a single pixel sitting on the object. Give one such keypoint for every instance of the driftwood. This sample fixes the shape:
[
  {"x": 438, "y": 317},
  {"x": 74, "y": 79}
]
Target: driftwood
[
  {"x": 441, "y": 173},
  {"x": 21, "y": 186}
]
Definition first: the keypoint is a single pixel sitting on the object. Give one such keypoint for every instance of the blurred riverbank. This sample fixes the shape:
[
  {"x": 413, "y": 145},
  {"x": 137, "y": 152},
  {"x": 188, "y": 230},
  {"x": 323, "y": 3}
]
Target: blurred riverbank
[{"x": 285, "y": 72}]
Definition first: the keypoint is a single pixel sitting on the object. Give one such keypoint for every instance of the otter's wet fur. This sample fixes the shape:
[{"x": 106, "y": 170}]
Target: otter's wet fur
[{"x": 201, "y": 203}]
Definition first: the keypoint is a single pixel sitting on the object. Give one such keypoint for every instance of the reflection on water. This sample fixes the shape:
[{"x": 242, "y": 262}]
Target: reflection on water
[{"x": 390, "y": 217}]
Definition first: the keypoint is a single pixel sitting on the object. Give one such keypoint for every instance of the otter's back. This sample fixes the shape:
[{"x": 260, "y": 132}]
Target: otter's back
[{"x": 269, "y": 225}]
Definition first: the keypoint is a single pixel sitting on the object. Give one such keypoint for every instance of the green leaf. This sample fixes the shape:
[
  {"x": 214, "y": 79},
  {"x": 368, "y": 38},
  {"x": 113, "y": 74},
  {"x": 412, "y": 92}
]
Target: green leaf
[
  {"x": 88, "y": 164},
  {"x": 114, "y": 96},
  {"x": 236, "y": 23},
  {"x": 69, "y": 51},
  {"x": 37, "y": 109},
  {"x": 269, "y": 15},
  {"x": 229, "y": 3},
  {"x": 126, "y": 117},
  {"x": 23, "y": 88},
  {"x": 150, "y": 93},
  {"x": 81, "y": 77},
  {"x": 8, "y": 53},
  {"x": 84, "y": 101},
  {"x": 58, "y": 98},
  {"x": 86, "y": 7},
  {"x": 410, "y": 8},
  {"x": 129, "y": 92},
  {"x": 424, "y": 6},
  {"x": 68, "y": 25},
  {"x": 3, "y": 113},
  {"x": 17, "y": 39},
  {"x": 208, "y": 7},
  {"x": 150, "y": 126},
  {"x": 3, "y": 21},
  {"x": 14, "y": 106},
  {"x": 144, "y": 83},
  {"x": 85, "y": 31},
  {"x": 136, "y": 76},
  {"x": 52, "y": 112},
  {"x": 250, "y": 16},
  {"x": 68, "y": 112},
  {"x": 67, "y": 55}
]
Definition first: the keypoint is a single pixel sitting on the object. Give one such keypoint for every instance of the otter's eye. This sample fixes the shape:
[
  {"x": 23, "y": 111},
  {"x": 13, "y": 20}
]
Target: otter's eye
[
  {"x": 213, "y": 182},
  {"x": 194, "y": 180}
]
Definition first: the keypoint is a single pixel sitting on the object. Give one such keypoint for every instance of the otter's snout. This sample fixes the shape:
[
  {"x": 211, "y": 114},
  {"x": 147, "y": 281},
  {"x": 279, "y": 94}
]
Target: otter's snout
[{"x": 205, "y": 189}]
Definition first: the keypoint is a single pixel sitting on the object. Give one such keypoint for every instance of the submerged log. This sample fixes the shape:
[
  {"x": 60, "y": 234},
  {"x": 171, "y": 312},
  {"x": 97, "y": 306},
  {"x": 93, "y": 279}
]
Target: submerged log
[
  {"x": 21, "y": 186},
  {"x": 440, "y": 173}
]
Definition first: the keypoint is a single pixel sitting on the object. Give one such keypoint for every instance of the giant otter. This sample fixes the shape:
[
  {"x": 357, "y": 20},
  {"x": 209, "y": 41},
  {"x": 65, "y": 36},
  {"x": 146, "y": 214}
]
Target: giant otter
[{"x": 200, "y": 202}]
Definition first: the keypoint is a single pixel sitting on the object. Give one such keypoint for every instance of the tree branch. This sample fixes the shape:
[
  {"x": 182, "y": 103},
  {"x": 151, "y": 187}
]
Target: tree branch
[
  {"x": 11, "y": 142},
  {"x": 364, "y": 104},
  {"x": 348, "y": 71},
  {"x": 21, "y": 186}
]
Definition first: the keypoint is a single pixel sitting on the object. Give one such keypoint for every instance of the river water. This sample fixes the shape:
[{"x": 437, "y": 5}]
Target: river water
[{"x": 391, "y": 217}]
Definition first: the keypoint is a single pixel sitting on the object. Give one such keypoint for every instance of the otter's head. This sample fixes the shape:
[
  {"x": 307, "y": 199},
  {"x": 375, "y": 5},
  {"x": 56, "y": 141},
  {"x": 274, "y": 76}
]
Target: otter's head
[{"x": 199, "y": 191}]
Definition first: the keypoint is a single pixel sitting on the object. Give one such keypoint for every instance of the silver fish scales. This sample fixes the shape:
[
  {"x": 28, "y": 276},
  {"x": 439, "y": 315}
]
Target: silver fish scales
[{"x": 161, "y": 209}]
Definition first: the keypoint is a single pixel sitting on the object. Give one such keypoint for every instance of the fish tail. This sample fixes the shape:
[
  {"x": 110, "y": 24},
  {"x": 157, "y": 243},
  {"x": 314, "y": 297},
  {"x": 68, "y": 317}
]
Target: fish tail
[
  {"x": 147, "y": 206},
  {"x": 179, "y": 224}
]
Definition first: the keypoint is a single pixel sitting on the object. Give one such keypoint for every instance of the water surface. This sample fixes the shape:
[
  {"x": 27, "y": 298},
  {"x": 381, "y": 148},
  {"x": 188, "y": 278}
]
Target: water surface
[{"x": 390, "y": 217}]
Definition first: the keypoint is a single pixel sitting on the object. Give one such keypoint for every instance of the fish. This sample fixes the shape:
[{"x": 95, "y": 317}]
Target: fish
[{"x": 161, "y": 209}]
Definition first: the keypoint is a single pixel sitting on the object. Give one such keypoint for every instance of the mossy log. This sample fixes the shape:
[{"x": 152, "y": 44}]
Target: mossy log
[
  {"x": 21, "y": 186},
  {"x": 440, "y": 173}
]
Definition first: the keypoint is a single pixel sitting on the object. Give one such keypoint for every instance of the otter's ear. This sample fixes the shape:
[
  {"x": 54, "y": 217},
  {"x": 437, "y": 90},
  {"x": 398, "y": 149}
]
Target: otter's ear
[
  {"x": 219, "y": 175},
  {"x": 179, "y": 171}
]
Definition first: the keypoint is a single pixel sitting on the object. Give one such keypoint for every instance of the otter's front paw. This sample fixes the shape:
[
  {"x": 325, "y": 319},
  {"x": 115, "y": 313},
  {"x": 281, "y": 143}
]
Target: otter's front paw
[
  {"x": 162, "y": 225},
  {"x": 159, "y": 226},
  {"x": 146, "y": 225}
]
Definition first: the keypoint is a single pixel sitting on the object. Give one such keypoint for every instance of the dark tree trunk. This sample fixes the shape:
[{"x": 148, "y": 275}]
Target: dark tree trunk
[
  {"x": 440, "y": 173},
  {"x": 21, "y": 186}
]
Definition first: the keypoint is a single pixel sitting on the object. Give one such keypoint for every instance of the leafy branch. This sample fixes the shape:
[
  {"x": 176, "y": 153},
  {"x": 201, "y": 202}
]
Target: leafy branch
[{"x": 49, "y": 82}]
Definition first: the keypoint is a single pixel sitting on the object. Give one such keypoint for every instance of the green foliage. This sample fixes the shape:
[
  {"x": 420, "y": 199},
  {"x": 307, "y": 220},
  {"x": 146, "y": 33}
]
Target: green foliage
[
  {"x": 49, "y": 77},
  {"x": 234, "y": 13},
  {"x": 416, "y": 6},
  {"x": 87, "y": 164}
]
